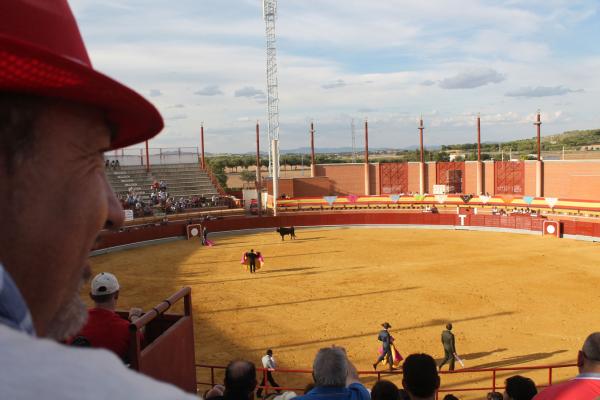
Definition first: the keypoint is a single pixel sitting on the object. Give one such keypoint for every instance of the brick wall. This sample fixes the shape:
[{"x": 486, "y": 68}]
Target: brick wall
[
  {"x": 345, "y": 178},
  {"x": 572, "y": 179}
]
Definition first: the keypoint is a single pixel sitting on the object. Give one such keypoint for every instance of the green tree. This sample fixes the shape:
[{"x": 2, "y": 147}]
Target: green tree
[{"x": 248, "y": 176}]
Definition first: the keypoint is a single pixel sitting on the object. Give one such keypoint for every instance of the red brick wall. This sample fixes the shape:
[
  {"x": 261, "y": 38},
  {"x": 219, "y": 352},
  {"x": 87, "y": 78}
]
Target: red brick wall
[
  {"x": 345, "y": 178},
  {"x": 430, "y": 176},
  {"x": 529, "y": 178},
  {"x": 309, "y": 187},
  {"x": 413, "y": 177},
  {"x": 470, "y": 178},
  {"x": 488, "y": 177},
  {"x": 572, "y": 179}
]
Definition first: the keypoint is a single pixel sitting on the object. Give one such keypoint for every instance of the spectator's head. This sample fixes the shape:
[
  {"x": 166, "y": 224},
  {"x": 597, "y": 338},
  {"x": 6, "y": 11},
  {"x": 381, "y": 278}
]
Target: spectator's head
[
  {"x": 450, "y": 396},
  {"x": 494, "y": 396},
  {"x": 105, "y": 290},
  {"x": 421, "y": 379},
  {"x": 449, "y": 326},
  {"x": 403, "y": 394},
  {"x": 269, "y": 352},
  {"x": 385, "y": 390},
  {"x": 240, "y": 380},
  {"x": 330, "y": 367},
  {"x": 519, "y": 388},
  {"x": 52, "y": 141},
  {"x": 588, "y": 359}
]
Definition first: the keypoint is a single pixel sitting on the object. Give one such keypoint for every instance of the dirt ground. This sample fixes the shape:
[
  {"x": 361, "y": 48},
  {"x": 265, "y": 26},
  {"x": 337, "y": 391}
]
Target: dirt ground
[{"x": 515, "y": 300}]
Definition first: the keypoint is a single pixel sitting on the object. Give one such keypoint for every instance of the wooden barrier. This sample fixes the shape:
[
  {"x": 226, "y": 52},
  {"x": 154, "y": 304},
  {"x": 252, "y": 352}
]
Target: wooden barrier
[
  {"x": 355, "y": 217},
  {"x": 169, "y": 354}
]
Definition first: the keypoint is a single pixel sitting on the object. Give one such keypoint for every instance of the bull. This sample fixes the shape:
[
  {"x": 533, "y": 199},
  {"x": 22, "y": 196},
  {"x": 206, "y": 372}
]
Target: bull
[{"x": 286, "y": 231}]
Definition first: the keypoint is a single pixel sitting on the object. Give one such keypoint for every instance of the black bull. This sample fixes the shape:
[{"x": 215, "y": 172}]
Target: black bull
[{"x": 286, "y": 231}]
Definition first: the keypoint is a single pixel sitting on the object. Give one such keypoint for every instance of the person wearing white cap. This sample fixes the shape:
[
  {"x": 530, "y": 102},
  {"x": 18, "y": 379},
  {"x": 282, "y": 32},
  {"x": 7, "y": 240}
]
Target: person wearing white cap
[
  {"x": 58, "y": 116},
  {"x": 105, "y": 328}
]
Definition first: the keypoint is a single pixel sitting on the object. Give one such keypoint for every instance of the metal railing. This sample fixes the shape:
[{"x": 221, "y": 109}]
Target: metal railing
[
  {"x": 493, "y": 376},
  {"x": 156, "y": 156}
]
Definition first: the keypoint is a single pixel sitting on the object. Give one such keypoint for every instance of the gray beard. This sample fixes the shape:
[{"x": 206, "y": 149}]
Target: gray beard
[{"x": 69, "y": 319}]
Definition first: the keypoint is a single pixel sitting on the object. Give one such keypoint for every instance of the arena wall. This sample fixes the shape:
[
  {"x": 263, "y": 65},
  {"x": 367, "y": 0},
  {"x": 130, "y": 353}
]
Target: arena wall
[
  {"x": 573, "y": 179},
  {"x": 529, "y": 189},
  {"x": 345, "y": 178}
]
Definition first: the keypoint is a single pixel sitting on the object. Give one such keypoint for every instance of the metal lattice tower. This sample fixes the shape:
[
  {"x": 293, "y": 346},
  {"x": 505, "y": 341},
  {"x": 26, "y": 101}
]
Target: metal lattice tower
[{"x": 270, "y": 15}]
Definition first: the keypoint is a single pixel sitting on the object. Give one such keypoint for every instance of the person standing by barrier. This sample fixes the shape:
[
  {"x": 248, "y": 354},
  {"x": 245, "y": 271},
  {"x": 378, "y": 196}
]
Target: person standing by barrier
[
  {"x": 268, "y": 363},
  {"x": 386, "y": 342},
  {"x": 449, "y": 347}
]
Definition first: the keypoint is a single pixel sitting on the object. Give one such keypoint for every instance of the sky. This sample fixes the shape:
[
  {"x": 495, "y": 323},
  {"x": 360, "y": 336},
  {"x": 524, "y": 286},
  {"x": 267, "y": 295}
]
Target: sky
[{"x": 387, "y": 61}]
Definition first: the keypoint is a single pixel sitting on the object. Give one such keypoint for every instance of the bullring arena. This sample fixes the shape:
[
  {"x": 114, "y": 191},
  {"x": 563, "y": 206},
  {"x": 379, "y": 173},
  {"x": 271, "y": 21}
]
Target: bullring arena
[{"x": 516, "y": 299}]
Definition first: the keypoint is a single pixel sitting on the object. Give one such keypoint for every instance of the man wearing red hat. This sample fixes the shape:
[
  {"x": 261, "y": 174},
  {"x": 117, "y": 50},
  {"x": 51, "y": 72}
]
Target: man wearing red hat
[{"x": 57, "y": 118}]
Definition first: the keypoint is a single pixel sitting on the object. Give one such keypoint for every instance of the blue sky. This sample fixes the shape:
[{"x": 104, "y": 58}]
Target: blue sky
[{"x": 388, "y": 61}]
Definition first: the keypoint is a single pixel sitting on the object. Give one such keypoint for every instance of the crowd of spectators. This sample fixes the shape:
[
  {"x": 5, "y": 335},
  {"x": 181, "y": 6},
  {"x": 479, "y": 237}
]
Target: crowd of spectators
[
  {"x": 114, "y": 165},
  {"x": 160, "y": 200}
]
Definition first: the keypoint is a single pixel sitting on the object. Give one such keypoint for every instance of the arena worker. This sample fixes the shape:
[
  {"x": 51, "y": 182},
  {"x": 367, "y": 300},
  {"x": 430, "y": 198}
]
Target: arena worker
[
  {"x": 57, "y": 118},
  {"x": 269, "y": 364},
  {"x": 104, "y": 327},
  {"x": 449, "y": 347},
  {"x": 335, "y": 377},
  {"x": 586, "y": 385}
]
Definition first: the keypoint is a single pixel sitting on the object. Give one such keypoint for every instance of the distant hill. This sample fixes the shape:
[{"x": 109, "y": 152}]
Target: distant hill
[{"x": 571, "y": 140}]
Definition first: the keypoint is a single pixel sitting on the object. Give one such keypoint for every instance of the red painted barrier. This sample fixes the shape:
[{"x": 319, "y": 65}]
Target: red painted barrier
[{"x": 178, "y": 228}]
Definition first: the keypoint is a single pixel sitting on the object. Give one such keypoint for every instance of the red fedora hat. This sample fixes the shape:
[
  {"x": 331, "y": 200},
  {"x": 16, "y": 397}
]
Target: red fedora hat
[{"x": 42, "y": 53}]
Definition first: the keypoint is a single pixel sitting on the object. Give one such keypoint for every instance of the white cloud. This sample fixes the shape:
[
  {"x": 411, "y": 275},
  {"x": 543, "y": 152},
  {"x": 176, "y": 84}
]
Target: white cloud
[
  {"x": 541, "y": 91},
  {"x": 472, "y": 79},
  {"x": 210, "y": 90},
  {"x": 337, "y": 84},
  {"x": 155, "y": 93}
]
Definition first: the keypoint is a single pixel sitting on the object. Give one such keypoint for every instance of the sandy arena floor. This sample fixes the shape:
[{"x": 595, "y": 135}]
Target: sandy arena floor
[{"x": 514, "y": 300}]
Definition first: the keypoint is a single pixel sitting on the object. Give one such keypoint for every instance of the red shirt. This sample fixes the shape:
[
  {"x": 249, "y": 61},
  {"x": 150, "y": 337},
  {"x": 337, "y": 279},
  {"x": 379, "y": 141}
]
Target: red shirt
[
  {"x": 107, "y": 330},
  {"x": 582, "y": 387}
]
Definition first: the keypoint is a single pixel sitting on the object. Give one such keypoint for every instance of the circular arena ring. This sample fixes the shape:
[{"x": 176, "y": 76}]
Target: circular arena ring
[{"x": 517, "y": 298}]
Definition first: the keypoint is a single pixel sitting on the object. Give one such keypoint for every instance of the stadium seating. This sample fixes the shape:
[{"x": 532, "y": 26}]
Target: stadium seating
[{"x": 182, "y": 180}]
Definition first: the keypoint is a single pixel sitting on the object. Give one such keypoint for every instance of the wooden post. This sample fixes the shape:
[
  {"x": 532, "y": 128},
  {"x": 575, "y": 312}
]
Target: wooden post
[
  {"x": 313, "y": 165},
  {"x": 202, "y": 161},
  {"x": 367, "y": 175},
  {"x": 421, "y": 163},
  {"x": 258, "y": 177}
]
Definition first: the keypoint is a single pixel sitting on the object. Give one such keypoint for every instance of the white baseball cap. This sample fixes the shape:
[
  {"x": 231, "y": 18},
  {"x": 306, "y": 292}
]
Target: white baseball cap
[{"x": 104, "y": 283}]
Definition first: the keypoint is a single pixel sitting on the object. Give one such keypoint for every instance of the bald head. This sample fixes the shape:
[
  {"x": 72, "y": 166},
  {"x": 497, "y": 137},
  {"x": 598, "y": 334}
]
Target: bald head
[{"x": 240, "y": 379}]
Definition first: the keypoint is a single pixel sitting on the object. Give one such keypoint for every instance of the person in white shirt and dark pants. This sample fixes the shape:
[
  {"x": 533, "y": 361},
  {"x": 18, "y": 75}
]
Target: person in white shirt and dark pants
[{"x": 268, "y": 363}]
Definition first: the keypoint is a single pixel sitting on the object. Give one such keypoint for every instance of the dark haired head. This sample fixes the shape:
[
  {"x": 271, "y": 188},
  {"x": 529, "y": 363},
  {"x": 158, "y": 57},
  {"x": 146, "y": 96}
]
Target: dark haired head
[
  {"x": 270, "y": 352},
  {"x": 450, "y": 396},
  {"x": 403, "y": 394},
  {"x": 385, "y": 390},
  {"x": 240, "y": 380},
  {"x": 421, "y": 378},
  {"x": 520, "y": 388},
  {"x": 449, "y": 326}
]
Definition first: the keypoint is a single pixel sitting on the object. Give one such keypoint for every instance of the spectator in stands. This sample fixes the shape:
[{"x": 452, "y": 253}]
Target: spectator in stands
[
  {"x": 268, "y": 363},
  {"x": 105, "y": 328},
  {"x": 162, "y": 186},
  {"x": 495, "y": 396},
  {"x": 403, "y": 394},
  {"x": 57, "y": 118},
  {"x": 335, "y": 377},
  {"x": 117, "y": 164},
  {"x": 385, "y": 390},
  {"x": 421, "y": 379},
  {"x": 107, "y": 164},
  {"x": 586, "y": 385},
  {"x": 519, "y": 388},
  {"x": 240, "y": 382},
  {"x": 450, "y": 396}
]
